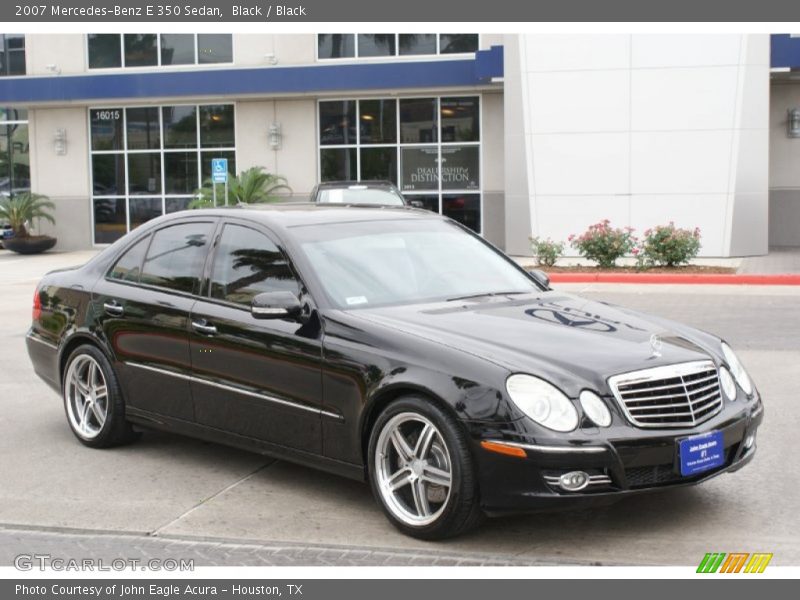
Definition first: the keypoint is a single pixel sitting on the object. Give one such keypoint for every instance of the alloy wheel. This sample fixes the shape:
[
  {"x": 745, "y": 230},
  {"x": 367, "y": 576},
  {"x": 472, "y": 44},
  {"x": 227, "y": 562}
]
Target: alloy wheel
[
  {"x": 86, "y": 395},
  {"x": 414, "y": 469}
]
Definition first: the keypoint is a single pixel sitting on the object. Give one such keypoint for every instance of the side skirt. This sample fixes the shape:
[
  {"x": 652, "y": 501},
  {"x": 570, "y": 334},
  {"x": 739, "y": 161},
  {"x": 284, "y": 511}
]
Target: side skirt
[{"x": 149, "y": 420}]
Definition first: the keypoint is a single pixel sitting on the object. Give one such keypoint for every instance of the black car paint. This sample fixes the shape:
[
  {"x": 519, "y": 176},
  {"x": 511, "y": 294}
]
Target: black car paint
[{"x": 331, "y": 371}]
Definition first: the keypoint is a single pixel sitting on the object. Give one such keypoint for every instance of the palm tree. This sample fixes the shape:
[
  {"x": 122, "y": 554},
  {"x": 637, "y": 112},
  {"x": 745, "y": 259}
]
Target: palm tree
[
  {"x": 252, "y": 186},
  {"x": 22, "y": 208}
]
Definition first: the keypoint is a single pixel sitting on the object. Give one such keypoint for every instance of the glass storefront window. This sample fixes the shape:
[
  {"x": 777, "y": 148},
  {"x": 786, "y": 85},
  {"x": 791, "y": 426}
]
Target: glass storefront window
[
  {"x": 337, "y": 123},
  {"x": 108, "y": 174},
  {"x": 214, "y": 48},
  {"x": 141, "y": 50},
  {"x": 116, "y": 50},
  {"x": 460, "y": 169},
  {"x": 15, "y": 164},
  {"x": 150, "y": 160},
  {"x": 370, "y": 45},
  {"x": 216, "y": 126},
  {"x": 143, "y": 128},
  {"x": 420, "y": 169},
  {"x": 180, "y": 126},
  {"x": 180, "y": 172},
  {"x": 12, "y": 54},
  {"x": 460, "y": 119},
  {"x": 376, "y": 44},
  {"x": 416, "y": 43},
  {"x": 106, "y": 129},
  {"x": 379, "y": 163},
  {"x": 456, "y": 43},
  {"x": 378, "y": 121},
  {"x": 436, "y": 162},
  {"x": 464, "y": 208},
  {"x": 338, "y": 164},
  {"x": 144, "y": 173},
  {"x": 418, "y": 121},
  {"x": 336, "y": 45},
  {"x": 177, "y": 49}
]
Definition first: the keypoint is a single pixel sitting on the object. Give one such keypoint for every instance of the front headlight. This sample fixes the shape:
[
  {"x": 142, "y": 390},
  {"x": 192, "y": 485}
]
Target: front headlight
[
  {"x": 542, "y": 402},
  {"x": 728, "y": 386},
  {"x": 595, "y": 408},
  {"x": 739, "y": 374}
]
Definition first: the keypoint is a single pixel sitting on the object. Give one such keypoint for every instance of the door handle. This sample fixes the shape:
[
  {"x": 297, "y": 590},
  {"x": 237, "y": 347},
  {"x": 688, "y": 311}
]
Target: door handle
[
  {"x": 204, "y": 327},
  {"x": 113, "y": 308}
]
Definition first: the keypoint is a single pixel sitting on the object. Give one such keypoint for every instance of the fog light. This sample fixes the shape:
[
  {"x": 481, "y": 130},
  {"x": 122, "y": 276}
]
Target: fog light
[
  {"x": 749, "y": 441},
  {"x": 574, "y": 481}
]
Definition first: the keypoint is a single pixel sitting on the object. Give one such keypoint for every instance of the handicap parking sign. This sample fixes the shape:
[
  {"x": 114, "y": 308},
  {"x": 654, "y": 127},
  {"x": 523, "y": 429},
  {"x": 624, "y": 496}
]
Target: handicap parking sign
[{"x": 219, "y": 170}]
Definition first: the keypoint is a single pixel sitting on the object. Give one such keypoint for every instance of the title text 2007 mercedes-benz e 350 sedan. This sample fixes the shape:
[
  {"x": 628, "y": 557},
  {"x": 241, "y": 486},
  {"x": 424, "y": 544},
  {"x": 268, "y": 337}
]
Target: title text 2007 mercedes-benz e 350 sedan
[{"x": 391, "y": 345}]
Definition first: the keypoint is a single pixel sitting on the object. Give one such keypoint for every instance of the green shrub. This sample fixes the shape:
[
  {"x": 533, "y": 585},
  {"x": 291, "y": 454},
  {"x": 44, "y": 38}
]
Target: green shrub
[
  {"x": 603, "y": 243},
  {"x": 669, "y": 246},
  {"x": 546, "y": 251},
  {"x": 252, "y": 186}
]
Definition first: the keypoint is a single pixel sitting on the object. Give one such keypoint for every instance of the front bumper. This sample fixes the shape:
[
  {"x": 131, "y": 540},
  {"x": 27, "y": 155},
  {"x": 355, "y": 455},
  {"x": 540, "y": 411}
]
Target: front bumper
[{"x": 626, "y": 461}]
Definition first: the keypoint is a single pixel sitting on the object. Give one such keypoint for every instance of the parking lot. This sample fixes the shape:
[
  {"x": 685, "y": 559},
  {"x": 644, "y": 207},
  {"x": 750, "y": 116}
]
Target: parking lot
[{"x": 171, "y": 487}]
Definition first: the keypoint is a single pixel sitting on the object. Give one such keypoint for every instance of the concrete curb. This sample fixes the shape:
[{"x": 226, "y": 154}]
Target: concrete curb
[{"x": 670, "y": 278}]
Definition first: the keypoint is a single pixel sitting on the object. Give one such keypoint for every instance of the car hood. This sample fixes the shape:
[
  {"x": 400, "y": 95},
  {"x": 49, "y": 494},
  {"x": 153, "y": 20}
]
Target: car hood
[{"x": 564, "y": 338}]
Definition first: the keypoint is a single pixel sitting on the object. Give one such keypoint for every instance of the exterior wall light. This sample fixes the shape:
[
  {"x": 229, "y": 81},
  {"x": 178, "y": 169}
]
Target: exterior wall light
[
  {"x": 275, "y": 137},
  {"x": 60, "y": 142},
  {"x": 793, "y": 123}
]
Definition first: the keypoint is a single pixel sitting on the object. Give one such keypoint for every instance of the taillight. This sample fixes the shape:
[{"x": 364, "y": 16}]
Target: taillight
[{"x": 37, "y": 305}]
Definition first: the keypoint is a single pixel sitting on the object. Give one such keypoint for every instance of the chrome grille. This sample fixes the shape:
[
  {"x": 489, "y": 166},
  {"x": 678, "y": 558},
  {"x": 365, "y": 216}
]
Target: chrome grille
[{"x": 680, "y": 395}]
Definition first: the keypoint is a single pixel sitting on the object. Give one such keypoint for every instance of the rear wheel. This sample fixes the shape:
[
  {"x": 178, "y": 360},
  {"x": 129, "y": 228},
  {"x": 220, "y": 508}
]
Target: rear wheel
[
  {"x": 421, "y": 470},
  {"x": 93, "y": 400}
]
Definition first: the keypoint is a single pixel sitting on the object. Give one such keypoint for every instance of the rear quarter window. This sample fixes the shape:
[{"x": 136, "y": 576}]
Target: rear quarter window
[{"x": 128, "y": 266}]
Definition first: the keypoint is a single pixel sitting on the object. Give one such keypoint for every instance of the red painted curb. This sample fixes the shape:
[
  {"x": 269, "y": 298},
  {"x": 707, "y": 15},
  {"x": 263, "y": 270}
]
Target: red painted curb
[{"x": 687, "y": 278}]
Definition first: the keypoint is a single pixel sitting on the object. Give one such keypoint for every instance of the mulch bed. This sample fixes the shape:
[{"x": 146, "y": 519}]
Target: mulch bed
[{"x": 684, "y": 270}]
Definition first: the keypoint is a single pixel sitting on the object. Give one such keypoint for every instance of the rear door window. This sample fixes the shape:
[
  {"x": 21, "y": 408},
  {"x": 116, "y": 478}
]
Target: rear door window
[{"x": 176, "y": 257}]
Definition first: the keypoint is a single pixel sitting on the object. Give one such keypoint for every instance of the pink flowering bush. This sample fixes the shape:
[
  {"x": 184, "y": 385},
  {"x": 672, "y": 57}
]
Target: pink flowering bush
[
  {"x": 604, "y": 244},
  {"x": 546, "y": 251},
  {"x": 668, "y": 246}
]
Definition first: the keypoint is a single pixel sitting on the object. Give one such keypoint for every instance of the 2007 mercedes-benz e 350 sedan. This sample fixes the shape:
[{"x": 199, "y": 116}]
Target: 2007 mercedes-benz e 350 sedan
[{"x": 391, "y": 345}]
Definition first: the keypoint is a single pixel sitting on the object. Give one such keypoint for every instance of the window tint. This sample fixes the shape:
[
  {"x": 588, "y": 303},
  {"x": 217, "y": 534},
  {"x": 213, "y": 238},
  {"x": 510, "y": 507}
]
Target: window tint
[
  {"x": 176, "y": 256},
  {"x": 128, "y": 266},
  {"x": 247, "y": 263}
]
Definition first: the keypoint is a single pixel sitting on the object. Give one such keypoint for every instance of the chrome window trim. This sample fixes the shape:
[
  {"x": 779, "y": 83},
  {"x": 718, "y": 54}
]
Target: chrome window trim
[
  {"x": 237, "y": 390},
  {"x": 679, "y": 370}
]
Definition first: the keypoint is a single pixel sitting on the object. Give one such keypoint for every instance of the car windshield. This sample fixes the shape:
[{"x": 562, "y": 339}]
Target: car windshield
[
  {"x": 360, "y": 194},
  {"x": 378, "y": 263}
]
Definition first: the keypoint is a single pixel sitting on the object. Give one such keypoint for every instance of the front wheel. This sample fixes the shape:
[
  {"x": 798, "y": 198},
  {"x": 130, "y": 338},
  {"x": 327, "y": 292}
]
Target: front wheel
[{"x": 421, "y": 470}]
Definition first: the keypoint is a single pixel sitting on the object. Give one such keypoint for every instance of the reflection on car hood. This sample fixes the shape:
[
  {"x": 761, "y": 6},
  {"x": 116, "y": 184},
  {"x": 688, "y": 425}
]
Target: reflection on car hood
[{"x": 554, "y": 335}]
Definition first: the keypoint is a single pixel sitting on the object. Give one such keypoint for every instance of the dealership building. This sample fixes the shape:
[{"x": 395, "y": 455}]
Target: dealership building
[{"x": 512, "y": 135}]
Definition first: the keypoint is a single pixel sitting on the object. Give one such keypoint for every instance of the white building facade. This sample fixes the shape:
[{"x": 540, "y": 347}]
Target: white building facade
[{"x": 512, "y": 135}]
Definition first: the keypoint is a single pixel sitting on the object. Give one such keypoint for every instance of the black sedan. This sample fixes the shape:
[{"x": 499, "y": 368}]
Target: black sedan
[{"x": 388, "y": 345}]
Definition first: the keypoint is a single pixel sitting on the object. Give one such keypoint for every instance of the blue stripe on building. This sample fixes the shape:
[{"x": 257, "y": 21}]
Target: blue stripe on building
[
  {"x": 320, "y": 78},
  {"x": 784, "y": 51}
]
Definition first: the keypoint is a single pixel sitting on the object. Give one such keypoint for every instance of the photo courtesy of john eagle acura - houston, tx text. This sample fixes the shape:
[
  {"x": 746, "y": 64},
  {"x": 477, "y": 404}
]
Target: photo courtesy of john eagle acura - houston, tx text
[{"x": 390, "y": 345}]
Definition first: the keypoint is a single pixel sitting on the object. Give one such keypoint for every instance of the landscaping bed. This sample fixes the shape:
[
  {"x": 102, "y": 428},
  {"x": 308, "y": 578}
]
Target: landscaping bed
[{"x": 682, "y": 270}]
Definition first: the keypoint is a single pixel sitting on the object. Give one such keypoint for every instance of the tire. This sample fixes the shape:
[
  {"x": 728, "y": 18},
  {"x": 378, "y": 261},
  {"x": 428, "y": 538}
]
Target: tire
[
  {"x": 95, "y": 412},
  {"x": 421, "y": 505}
]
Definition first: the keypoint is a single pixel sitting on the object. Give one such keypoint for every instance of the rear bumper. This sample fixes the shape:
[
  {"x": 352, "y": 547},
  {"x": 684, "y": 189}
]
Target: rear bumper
[
  {"x": 619, "y": 467},
  {"x": 44, "y": 357}
]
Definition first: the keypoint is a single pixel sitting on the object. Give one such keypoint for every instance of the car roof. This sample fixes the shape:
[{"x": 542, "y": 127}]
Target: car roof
[
  {"x": 375, "y": 183},
  {"x": 298, "y": 214}
]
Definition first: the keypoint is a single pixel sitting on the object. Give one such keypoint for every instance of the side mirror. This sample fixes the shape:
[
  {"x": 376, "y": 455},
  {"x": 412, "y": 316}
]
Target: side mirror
[
  {"x": 275, "y": 305},
  {"x": 540, "y": 277}
]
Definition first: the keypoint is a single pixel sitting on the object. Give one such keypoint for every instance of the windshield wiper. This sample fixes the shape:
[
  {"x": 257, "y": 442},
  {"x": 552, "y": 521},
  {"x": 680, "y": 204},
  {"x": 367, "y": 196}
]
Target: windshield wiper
[{"x": 482, "y": 294}]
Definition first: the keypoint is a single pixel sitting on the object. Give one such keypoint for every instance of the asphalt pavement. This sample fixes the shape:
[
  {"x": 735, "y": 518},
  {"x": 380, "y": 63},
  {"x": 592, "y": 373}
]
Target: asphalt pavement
[{"x": 192, "y": 497}]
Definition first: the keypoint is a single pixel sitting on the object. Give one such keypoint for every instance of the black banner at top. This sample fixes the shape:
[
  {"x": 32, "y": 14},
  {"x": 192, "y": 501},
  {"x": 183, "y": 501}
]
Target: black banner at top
[{"x": 449, "y": 11}]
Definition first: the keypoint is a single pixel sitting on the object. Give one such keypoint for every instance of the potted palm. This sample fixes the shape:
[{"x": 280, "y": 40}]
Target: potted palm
[
  {"x": 19, "y": 211},
  {"x": 252, "y": 186}
]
